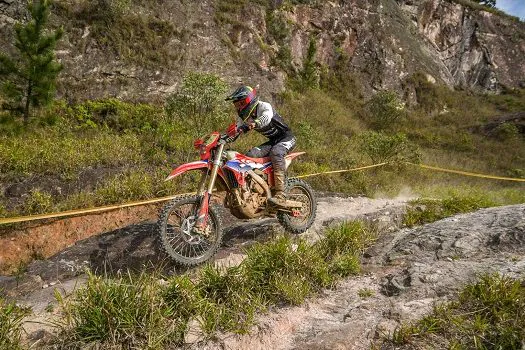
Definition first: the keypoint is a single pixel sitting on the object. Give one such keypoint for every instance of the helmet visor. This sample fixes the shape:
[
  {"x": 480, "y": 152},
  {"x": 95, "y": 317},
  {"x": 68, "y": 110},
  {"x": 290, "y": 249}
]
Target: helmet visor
[{"x": 241, "y": 104}]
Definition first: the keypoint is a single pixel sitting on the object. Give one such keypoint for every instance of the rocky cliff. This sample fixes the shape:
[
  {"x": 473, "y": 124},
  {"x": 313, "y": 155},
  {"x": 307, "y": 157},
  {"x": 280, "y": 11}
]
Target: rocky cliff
[{"x": 140, "y": 50}]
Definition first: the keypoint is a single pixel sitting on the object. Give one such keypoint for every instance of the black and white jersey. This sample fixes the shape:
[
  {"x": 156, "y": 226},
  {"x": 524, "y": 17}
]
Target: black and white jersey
[{"x": 268, "y": 122}]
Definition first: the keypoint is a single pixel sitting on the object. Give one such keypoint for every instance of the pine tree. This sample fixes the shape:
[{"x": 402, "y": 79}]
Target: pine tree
[
  {"x": 310, "y": 73},
  {"x": 488, "y": 3},
  {"x": 29, "y": 78}
]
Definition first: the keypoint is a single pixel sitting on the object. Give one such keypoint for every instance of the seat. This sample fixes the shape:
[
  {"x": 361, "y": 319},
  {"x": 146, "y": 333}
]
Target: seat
[{"x": 259, "y": 160}]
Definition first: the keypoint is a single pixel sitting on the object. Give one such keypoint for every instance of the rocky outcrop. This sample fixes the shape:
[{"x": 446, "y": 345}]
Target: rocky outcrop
[
  {"x": 480, "y": 49},
  {"x": 142, "y": 52},
  {"x": 407, "y": 273}
]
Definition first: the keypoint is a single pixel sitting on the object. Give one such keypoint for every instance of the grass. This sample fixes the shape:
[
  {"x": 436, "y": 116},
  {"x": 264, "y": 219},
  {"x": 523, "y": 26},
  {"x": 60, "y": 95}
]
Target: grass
[
  {"x": 51, "y": 151},
  {"x": 133, "y": 32},
  {"x": 138, "y": 311},
  {"x": 422, "y": 211},
  {"x": 11, "y": 317},
  {"x": 128, "y": 312},
  {"x": 456, "y": 200},
  {"x": 488, "y": 314}
]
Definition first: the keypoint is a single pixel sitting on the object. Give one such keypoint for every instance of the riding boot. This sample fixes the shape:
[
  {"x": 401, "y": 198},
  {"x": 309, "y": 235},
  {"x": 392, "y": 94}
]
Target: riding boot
[{"x": 279, "y": 197}]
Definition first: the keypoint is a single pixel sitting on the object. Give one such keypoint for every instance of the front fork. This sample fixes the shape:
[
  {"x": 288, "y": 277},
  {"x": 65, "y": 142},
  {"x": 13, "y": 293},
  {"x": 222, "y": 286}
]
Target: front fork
[{"x": 202, "y": 217}]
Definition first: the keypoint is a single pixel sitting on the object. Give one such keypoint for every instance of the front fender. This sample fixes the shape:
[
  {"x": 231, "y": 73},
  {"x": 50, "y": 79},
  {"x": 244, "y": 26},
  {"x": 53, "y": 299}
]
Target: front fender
[{"x": 187, "y": 167}]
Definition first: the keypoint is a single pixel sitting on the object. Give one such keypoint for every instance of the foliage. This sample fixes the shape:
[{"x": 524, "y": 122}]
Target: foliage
[
  {"x": 199, "y": 103},
  {"x": 384, "y": 110},
  {"x": 115, "y": 114},
  {"x": 488, "y": 3},
  {"x": 381, "y": 147},
  {"x": 506, "y": 131},
  {"x": 422, "y": 211},
  {"x": 126, "y": 149},
  {"x": 11, "y": 319},
  {"x": 53, "y": 151},
  {"x": 38, "y": 202},
  {"x": 136, "y": 36},
  {"x": 488, "y": 314},
  {"x": 129, "y": 311},
  {"x": 427, "y": 94},
  {"x": 309, "y": 76},
  {"x": 279, "y": 30},
  {"x": 29, "y": 79},
  {"x": 341, "y": 83},
  {"x": 365, "y": 293}
]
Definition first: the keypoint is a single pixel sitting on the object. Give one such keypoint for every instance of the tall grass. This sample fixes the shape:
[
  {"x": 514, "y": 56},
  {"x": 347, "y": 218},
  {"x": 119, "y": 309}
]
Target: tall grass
[
  {"x": 11, "y": 317},
  {"x": 128, "y": 312},
  {"x": 50, "y": 151},
  {"x": 488, "y": 314}
]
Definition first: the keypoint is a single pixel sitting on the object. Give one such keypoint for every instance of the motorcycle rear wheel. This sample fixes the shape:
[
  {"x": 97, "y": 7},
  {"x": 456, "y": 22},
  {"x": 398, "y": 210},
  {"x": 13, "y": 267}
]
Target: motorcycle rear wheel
[
  {"x": 299, "y": 190},
  {"x": 175, "y": 225}
]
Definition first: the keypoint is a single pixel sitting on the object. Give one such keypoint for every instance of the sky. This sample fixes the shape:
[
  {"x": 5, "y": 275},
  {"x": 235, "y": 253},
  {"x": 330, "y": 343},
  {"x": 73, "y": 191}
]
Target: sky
[{"x": 512, "y": 7}]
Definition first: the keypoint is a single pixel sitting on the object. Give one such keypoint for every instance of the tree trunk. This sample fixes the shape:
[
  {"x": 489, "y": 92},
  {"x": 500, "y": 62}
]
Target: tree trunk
[{"x": 26, "y": 109}]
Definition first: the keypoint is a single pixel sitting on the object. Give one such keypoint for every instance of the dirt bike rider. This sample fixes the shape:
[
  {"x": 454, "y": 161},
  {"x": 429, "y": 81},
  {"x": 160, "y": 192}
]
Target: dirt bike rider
[{"x": 261, "y": 116}]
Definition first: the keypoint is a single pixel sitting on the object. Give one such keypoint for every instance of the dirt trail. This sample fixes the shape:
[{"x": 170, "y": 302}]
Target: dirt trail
[{"x": 405, "y": 272}]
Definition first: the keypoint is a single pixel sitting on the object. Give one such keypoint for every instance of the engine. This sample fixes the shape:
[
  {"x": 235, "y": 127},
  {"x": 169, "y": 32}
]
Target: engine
[{"x": 247, "y": 202}]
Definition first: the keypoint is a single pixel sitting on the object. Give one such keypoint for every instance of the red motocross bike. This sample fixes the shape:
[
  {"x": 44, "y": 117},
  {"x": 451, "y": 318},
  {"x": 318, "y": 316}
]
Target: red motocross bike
[{"x": 190, "y": 226}]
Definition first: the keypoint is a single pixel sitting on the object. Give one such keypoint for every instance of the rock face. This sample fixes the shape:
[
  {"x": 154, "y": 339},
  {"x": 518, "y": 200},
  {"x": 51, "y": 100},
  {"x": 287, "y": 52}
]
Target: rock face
[{"x": 141, "y": 52}]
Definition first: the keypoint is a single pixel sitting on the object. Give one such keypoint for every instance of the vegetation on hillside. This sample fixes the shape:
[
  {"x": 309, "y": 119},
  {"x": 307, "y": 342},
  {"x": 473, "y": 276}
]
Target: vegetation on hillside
[
  {"x": 100, "y": 152},
  {"x": 108, "y": 151}
]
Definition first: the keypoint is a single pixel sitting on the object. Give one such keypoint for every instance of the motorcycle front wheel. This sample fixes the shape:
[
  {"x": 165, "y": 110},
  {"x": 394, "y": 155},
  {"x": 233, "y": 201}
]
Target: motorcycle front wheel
[
  {"x": 175, "y": 226},
  {"x": 300, "y": 191}
]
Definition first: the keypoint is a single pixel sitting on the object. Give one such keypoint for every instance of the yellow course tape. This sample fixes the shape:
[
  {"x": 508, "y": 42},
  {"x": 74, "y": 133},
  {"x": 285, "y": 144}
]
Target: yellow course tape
[
  {"x": 342, "y": 171},
  {"x": 157, "y": 200},
  {"x": 85, "y": 211},
  {"x": 466, "y": 173}
]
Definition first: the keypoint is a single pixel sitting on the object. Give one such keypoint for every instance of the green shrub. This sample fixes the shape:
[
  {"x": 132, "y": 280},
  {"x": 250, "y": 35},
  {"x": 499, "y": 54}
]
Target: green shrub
[
  {"x": 11, "y": 319},
  {"x": 309, "y": 76},
  {"x": 38, "y": 202},
  {"x": 385, "y": 148},
  {"x": 53, "y": 151},
  {"x": 116, "y": 115},
  {"x": 385, "y": 110},
  {"x": 427, "y": 94},
  {"x": 137, "y": 35},
  {"x": 342, "y": 84},
  {"x": 199, "y": 104},
  {"x": 506, "y": 131},
  {"x": 128, "y": 186}
]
